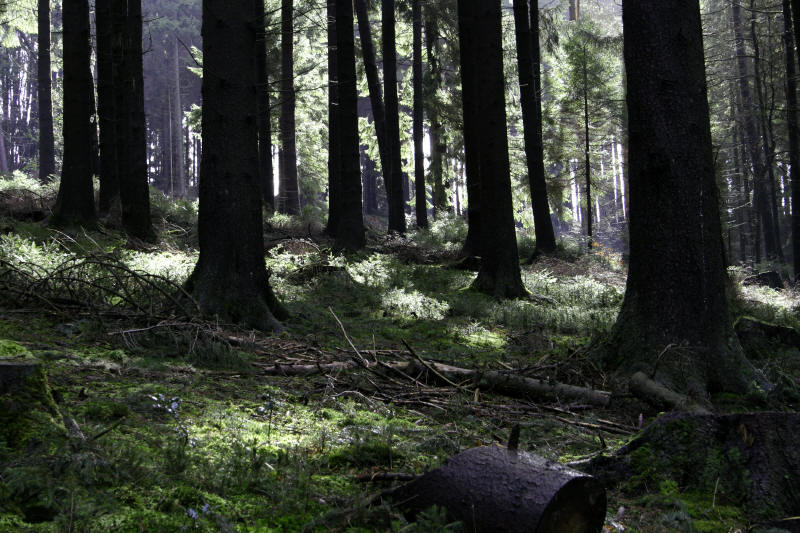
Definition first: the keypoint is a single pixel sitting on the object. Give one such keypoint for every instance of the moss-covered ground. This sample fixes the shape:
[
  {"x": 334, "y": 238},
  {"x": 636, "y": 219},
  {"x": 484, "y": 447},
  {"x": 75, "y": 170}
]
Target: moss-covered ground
[{"x": 178, "y": 428}]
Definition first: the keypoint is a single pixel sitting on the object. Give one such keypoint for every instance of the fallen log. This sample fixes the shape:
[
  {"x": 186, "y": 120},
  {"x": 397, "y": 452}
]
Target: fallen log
[
  {"x": 487, "y": 380},
  {"x": 499, "y": 489},
  {"x": 657, "y": 394}
]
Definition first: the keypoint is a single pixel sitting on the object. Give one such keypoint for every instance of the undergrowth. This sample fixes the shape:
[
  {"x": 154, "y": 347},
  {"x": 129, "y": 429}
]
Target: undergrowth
[{"x": 182, "y": 432}]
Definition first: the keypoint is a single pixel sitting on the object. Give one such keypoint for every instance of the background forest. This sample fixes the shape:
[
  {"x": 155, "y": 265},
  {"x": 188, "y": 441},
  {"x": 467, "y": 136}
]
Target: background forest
[{"x": 177, "y": 385}]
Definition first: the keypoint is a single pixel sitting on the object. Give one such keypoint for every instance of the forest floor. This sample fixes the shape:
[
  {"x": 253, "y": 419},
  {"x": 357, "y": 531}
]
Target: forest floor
[{"x": 180, "y": 424}]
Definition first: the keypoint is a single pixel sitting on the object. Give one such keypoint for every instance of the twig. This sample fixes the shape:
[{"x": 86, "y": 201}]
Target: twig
[
  {"x": 363, "y": 361},
  {"x": 108, "y": 429}
]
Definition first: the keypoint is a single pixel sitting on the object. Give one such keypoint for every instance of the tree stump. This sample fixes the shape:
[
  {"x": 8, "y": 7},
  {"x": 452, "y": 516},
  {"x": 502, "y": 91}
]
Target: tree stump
[
  {"x": 750, "y": 460},
  {"x": 499, "y": 489},
  {"x": 28, "y": 413}
]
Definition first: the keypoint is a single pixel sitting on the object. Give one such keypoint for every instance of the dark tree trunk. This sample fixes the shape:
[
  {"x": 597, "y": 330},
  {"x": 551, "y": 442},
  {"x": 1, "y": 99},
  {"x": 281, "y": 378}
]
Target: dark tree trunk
[
  {"x": 794, "y": 135},
  {"x": 350, "y": 233},
  {"x": 133, "y": 183},
  {"x": 574, "y": 9},
  {"x": 768, "y": 143},
  {"x": 529, "y": 56},
  {"x": 176, "y": 128},
  {"x": 394, "y": 174},
  {"x": 434, "y": 84},
  {"x": 751, "y": 134},
  {"x": 676, "y": 291},
  {"x": 499, "y": 274},
  {"x": 265, "y": 172},
  {"x": 373, "y": 84},
  {"x": 466, "y": 40},
  {"x": 230, "y": 279},
  {"x": 47, "y": 157},
  {"x": 107, "y": 114},
  {"x": 334, "y": 150},
  {"x": 289, "y": 201},
  {"x": 419, "y": 156},
  {"x": 586, "y": 152},
  {"x": 75, "y": 203}
]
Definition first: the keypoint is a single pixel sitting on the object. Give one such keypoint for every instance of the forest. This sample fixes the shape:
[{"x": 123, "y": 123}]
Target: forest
[{"x": 399, "y": 265}]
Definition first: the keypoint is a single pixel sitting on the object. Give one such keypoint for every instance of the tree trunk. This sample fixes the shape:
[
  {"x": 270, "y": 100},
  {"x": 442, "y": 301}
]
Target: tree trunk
[
  {"x": 107, "y": 113},
  {"x": 419, "y": 156},
  {"x": 350, "y": 233},
  {"x": 394, "y": 174},
  {"x": 176, "y": 114},
  {"x": 586, "y": 153},
  {"x": 373, "y": 84},
  {"x": 434, "y": 84},
  {"x": 133, "y": 184},
  {"x": 230, "y": 279},
  {"x": 752, "y": 137},
  {"x": 499, "y": 274},
  {"x": 263, "y": 111},
  {"x": 334, "y": 150},
  {"x": 529, "y": 57},
  {"x": 472, "y": 242},
  {"x": 768, "y": 143},
  {"x": 794, "y": 134},
  {"x": 75, "y": 202},
  {"x": 289, "y": 200},
  {"x": 674, "y": 320},
  {"x": 47, "y": 158},
  {"x": 500, "y": 489}
]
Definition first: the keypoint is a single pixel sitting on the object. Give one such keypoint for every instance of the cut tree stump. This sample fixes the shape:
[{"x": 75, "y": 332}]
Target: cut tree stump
[
  {"x": 750, "y": 460},
  {"x": 498, "y": 489},
  {"x": 28, "y": 413}
]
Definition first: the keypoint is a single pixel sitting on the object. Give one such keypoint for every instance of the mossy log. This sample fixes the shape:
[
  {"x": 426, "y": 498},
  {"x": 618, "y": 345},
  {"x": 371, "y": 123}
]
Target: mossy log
[
  {"x": 487, "y": 380},
  {"x": 750, "y": 460},
  {"x": 499, "y": 489}
]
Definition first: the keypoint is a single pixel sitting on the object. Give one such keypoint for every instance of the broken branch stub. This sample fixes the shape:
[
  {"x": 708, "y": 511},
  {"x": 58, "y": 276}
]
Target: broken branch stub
[{"x": 497, "y": 489}]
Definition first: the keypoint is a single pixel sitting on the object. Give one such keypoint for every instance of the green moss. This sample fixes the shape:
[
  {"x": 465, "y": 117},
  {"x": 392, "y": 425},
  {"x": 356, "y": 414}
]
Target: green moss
[
  {"x": 28, "y": 412},
  {"x": 12, "y": 349}
]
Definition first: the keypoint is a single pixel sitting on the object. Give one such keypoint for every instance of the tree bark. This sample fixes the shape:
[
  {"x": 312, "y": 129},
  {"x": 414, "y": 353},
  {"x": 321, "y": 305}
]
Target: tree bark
[
  {"x": 230, "y": 279},
  {"x": 176, "y": 114},
  {"x": 794, "y": 134},
  {"x": 350, "y": 233},
  {"x": 393, "y": 176},
  {"x": 47, "y": 158},
  {"x": 434, "y": 84},
  {"x": 133, "y": 184},
  {"x": 529, "y": 58},
  {"x": 373, "y": 84},
  {"x": 469, "y": 96},
  {"x": 289, "y": 200},
  {"x": 107, "y": 113},
  {"x": 501, "y": 489},
  {"x": 751, "y": 134},
  {"x": 742, "y": 458},
  {"x": 267, "y": 178},
  {"x": 674, "y": 322},
  {"x": 768, "y": 143},
  {"x": 75, "y": 202},
  {"x": 334, "y": 150},
  {"x": 499, "y": 274},
  {"x": 419, "y": 156}
]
